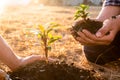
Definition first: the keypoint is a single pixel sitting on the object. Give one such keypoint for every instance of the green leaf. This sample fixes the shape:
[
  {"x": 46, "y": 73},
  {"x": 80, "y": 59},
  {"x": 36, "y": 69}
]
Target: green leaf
[
  {"x": 39, "y": 35},
  {"x": 50, "y": 35},
  {"x": 57, "y": 37},
  {"x": 53, "y": 25},
  {"x": 53, "y": 39},
  {"x": 41, "y": 28},
  {"x": 50, "y": 41},
  {"x": 49, "y": 30},
  {"x": 84, "y": 7}
]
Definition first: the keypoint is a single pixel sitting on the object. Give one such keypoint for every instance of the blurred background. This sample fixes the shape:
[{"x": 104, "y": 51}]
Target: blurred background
[{"x": 49, "y": 2}]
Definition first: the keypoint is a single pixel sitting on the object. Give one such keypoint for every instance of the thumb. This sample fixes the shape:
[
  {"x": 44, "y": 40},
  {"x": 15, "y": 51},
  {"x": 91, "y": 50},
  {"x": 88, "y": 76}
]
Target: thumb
[{"x": 103, "y": 31}]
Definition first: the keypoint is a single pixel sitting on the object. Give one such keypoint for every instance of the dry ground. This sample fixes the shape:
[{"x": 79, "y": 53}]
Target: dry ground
[{"x": 15, "y": 20}]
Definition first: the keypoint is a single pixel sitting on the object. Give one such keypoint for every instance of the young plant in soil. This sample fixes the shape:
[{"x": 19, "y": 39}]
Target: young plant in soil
[
  {"x": 44, "y": 33},
  {"x": 84, "y": 22}
]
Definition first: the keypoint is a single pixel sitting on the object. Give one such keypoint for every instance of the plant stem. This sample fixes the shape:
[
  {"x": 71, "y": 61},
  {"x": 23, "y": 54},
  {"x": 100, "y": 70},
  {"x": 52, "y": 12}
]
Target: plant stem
[{"x": 45, "y": 48}]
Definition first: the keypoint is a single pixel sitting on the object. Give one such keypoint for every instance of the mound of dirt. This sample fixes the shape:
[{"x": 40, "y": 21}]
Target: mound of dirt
[{"x": 41, "y": 70}]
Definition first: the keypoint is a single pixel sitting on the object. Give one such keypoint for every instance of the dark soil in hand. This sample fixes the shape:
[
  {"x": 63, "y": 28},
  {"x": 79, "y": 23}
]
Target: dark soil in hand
[
  {"x": 91, "y": 25},
  {"x": 52, "y": 71}
]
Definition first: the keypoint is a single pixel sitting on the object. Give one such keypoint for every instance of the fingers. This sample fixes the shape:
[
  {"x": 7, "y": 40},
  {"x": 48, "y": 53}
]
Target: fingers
[
  {"x": 105, "y": 40},
  {"x": 101, "y": 32},
  {"x": 87, "y": 38},
  {"x": 53, "y": 60},
  {"x": 33, "y": 58},
  {"x": 83, "y": 39},
  {"x": 30, "y": 59}
]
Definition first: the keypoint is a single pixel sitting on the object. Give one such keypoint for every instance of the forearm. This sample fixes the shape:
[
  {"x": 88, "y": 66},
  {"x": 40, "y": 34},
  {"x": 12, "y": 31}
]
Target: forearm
[
  {"x": 7, "y": 56},
  {"x": 108, "y": 11}
]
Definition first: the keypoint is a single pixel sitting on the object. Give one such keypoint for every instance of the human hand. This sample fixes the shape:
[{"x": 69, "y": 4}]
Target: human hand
[
  {"x": 109, "y": 25},
  {"x": 30, "y": 59},
  {"x": 100, "y": 38},
  {"x": 87, "y": 38}
]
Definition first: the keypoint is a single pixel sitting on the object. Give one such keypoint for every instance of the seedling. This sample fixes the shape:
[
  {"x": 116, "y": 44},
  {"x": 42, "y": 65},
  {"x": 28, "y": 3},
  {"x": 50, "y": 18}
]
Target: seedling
[
  {"x": 81, "y": 12},
  {"x": 85, "y": 22},
  {"x": 44, "y": 33}
]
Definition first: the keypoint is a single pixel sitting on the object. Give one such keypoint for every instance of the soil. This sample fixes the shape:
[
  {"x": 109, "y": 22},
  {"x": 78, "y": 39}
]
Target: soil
[
  {"x": 91, "y": 25},
  {"x": 41, "y": 70}
]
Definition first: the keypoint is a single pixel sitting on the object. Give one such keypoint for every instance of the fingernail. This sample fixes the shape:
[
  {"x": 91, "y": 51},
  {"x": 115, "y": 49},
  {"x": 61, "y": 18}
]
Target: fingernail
[{"x": 98, "y": 34}]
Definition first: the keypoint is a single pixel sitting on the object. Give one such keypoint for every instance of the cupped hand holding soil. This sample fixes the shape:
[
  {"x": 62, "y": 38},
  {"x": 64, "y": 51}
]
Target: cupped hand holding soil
[{"x": 91, "y": 25}]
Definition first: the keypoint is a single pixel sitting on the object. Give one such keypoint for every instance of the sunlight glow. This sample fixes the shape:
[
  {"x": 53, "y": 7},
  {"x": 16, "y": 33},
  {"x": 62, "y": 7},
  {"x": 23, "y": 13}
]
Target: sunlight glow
[
  {"x": 2, "y": 5},
  {"x": 17, "y": 2},
  {"x": 36, "y": 1},
  {"x": 5, "y": 3}
]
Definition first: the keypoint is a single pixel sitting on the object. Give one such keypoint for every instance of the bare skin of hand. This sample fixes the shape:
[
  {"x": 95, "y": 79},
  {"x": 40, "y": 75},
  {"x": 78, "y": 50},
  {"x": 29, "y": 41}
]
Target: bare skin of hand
[
  {"x": 30, "y": 59},
  {"x": 100, "y": 38}
]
